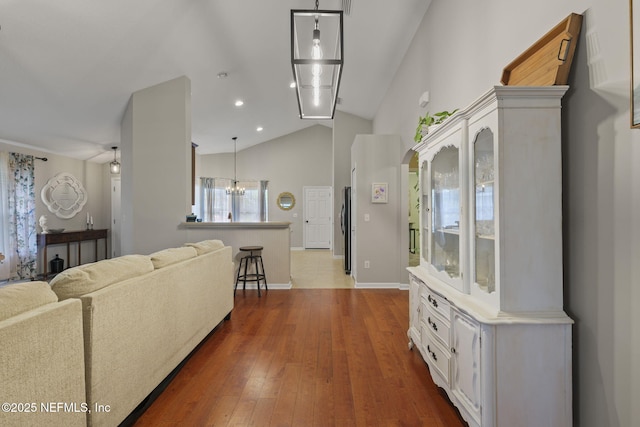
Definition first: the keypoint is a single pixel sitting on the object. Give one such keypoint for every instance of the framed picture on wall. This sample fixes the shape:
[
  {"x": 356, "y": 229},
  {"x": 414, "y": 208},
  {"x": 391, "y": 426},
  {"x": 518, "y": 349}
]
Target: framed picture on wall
[
  {"x": 379, "y": 192},
  {"x": 634, "y": 13}
]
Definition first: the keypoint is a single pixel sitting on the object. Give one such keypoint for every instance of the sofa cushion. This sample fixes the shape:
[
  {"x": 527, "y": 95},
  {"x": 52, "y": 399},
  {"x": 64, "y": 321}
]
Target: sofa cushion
[
  {"x": 206, "y": 246},
  {"x": 21, "y": 297},
  {"x": 170, "y": 256},
  {"x": 87, "y": 278}
]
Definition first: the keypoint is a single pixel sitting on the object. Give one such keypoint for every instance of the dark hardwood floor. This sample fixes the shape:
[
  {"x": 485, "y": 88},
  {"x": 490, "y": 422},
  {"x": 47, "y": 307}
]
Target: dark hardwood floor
[{"x": 306, "y": 357}]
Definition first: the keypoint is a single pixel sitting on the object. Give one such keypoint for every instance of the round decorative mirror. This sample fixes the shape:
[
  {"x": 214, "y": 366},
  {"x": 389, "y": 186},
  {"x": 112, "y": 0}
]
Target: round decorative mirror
[{"x": 286, "y": 201}]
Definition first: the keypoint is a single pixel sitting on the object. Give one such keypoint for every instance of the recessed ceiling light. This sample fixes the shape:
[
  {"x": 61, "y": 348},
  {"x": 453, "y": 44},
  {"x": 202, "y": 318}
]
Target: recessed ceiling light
[
  {"x": 239, "y": 103},
  {"x": 292, "y": 85},
  {"x": 259, "y": 128},
  {"x": 222, "y": 75}
]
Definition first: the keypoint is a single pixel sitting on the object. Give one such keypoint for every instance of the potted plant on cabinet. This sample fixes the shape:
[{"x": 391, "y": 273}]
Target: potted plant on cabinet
[
  {"x": 423, "y": 126},
  {"x": 428, "y": 121}
]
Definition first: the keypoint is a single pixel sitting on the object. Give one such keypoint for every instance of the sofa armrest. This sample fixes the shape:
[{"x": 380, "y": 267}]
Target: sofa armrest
[{"x": 42, "y": 362}]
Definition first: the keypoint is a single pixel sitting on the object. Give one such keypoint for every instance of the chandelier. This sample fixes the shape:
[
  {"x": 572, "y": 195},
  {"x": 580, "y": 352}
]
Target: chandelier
[
  {"x": 235, "y": 189},
  {"x": 316, "y": 60}
]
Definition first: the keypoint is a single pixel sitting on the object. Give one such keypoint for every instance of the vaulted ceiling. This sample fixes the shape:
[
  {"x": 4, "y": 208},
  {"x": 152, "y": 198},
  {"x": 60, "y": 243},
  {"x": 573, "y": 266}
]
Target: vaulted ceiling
[{"x": 69, "y": 67}]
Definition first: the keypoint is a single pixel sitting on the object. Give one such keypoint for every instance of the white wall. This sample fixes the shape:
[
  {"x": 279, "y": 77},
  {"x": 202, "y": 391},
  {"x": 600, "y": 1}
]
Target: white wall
[
  {"x": 460, "y": 51},
  {"x": 377, "y": 158},
  {"x": 156, "y": 167},
  {"x": 289, "y": 163}
]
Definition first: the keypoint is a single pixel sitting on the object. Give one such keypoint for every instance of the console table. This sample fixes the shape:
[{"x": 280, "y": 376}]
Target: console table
[{"x": 68, "y": 237}]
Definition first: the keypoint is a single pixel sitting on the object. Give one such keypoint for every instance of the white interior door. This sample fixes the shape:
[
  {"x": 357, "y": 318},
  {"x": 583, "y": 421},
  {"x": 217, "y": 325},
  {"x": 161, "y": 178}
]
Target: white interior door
[{"x": 318, "y": 203}]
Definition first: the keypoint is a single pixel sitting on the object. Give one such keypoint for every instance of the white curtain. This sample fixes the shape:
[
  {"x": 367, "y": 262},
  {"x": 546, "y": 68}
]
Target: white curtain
[
  {"x": 215, "y": 204},
  {"x": 5, "y": 246},
  {"x": 22, "y": 202},
  {"x": 207, "y": 186},
  {"x": 18, "y": 224}
]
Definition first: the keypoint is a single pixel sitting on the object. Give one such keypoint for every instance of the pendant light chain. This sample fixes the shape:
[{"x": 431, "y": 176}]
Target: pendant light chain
[{"x": 235, "y": 189}]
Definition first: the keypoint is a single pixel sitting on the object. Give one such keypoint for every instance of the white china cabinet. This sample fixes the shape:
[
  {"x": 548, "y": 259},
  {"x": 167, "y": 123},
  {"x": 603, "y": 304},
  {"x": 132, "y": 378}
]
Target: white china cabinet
[{"x": 486, "y": 300}]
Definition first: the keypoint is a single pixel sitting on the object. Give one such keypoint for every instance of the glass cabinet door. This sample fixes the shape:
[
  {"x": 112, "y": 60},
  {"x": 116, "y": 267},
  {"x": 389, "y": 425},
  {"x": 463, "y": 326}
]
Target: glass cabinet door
[
  {"x": 424, "y": 211},
  {"x": 445, "y": 212},
  {"x": 485, "y": 242}
]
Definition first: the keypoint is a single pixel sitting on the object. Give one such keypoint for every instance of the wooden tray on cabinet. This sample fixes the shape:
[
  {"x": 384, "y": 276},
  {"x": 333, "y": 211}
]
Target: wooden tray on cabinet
[{"x": 548, "y": 61}]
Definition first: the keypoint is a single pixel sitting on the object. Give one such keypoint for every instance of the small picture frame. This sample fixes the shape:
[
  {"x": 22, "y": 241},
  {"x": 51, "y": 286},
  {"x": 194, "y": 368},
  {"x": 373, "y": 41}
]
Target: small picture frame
[{"x": 379, "y": 193}]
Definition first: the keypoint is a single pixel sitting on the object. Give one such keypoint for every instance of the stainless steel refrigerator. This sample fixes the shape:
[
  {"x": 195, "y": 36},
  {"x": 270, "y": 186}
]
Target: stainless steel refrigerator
[{"x": 345, "y": 226}]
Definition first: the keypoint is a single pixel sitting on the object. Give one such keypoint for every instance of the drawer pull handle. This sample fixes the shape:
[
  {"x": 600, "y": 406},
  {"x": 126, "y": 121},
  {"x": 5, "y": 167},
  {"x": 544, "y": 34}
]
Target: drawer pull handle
[
  {"x": 433, "y": 355},
  {"x": 433, "y": 301},
  {"x": 433, "y": 324},
  {"x": 453, "y": 350}
]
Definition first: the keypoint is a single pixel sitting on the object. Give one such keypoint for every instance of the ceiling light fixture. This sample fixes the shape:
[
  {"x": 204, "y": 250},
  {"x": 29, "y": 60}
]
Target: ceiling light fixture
[
  {"x": 239, "y": 103},
  {"x": 114, "y": 166},
  {"x": 317, "y": 62},
  {"x": 235, "y": 189},
  {"x": 259, "y": 128}
]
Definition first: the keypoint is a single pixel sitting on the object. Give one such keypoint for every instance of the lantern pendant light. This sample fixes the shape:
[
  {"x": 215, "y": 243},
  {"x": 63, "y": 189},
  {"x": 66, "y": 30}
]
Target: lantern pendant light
[
  {"x": 317, "y": 59},
  {"x": 114, "y": 166}
]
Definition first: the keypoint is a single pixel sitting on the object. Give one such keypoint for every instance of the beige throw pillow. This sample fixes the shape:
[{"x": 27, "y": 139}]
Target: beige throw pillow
[
  {"x": 206, "y": 246},
  {"x": 87, "y": 278},
  {"x": 21, "y": 297},
  {"x": 170, "y": 256}
]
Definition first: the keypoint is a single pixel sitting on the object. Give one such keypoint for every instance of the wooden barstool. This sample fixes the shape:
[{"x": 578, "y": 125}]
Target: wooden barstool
[{"x": 255, "y": 255}]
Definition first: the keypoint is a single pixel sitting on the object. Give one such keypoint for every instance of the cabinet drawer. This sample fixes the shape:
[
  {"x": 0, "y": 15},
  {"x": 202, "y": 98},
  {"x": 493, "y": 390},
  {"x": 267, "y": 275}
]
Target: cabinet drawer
[
  {"x": 437, "y": 303},
  {"x": 438, "y": 327},
  {"x": 438, "y": 359}
]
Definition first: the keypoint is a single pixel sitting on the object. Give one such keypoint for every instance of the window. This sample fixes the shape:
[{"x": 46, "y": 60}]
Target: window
[{"x": 218, "y": 206}]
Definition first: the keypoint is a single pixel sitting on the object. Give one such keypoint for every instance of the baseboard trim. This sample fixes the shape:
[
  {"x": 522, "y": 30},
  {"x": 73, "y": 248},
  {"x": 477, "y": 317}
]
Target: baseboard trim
[{"x": 361, "y": 285}]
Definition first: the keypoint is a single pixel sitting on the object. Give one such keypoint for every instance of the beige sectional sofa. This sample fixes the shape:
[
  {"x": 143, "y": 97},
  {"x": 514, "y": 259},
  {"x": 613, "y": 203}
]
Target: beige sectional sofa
[
  {"x": 41, "y": 357},
  {"x": 141, "y": 315}
]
